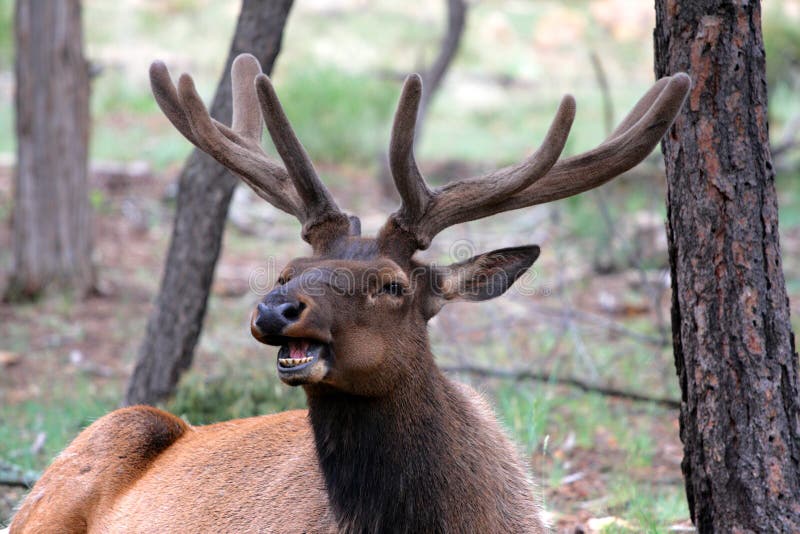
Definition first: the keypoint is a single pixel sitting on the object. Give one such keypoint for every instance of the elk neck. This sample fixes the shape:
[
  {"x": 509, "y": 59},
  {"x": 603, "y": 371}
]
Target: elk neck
[{"x": 412, "y": 461}]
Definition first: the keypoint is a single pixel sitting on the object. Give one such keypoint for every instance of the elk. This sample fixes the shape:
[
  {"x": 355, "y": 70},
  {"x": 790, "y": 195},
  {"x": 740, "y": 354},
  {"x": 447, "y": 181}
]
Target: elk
[{"x": 388, "y": 443}]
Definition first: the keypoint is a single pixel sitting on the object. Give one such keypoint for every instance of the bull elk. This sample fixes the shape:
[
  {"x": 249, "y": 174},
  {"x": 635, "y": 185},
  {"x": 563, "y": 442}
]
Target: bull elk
[{"x": 388, "y": 443}]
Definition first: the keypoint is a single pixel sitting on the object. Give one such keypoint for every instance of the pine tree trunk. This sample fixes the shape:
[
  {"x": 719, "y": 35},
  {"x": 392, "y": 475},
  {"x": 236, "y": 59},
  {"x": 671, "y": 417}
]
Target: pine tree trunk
[
  {"x": 733, "y": 344},
  {"x": 51, "y": 222},
  {"x": 204, "y": 193}
]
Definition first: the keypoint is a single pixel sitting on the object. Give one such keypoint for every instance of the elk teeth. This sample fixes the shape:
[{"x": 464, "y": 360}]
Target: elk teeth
[{"x": 294, "y": 362}]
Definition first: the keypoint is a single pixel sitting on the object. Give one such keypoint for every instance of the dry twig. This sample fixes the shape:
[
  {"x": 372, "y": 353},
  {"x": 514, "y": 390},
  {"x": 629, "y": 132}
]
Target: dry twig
[{"x": 528, "y": 374}]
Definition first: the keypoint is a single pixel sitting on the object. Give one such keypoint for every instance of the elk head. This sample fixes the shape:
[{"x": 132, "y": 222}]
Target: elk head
[{"x": 352, "y": 316}]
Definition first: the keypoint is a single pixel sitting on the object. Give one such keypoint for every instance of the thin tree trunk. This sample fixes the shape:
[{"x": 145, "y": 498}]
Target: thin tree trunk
[
  {"x": 51, "y": 222},
  {"x": 431, "y": 81},
  {"x": 733, "y": 344},
  {"x": 204, "y": 193},
  {"x": 433, "y": 76}
]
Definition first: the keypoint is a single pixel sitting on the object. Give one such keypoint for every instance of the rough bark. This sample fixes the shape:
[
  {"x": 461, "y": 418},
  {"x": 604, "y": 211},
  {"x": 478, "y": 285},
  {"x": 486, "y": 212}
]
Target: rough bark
[
  {"x": 431, "y": 81},
  {"x": 51, "y": 222},
  {"x": 204, "y": 193},
  {"x": 733, "y": 344}
]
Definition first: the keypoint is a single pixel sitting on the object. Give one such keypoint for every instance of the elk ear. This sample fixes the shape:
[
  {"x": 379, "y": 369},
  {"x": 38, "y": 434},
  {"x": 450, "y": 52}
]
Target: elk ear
[{"x": 481, "y": 277}]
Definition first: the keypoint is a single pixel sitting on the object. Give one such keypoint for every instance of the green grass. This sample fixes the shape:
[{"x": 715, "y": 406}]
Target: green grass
[
  {"x": 60, "y": 412},
  {"x": 539, "y": 417},
  {"x": 648, "y": 507},
  {"x": 526, "y": 412}
]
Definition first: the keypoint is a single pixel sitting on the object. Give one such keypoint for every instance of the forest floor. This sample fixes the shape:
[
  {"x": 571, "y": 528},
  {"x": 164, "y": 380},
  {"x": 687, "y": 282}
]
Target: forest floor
[{"x": 604, "y": 463}]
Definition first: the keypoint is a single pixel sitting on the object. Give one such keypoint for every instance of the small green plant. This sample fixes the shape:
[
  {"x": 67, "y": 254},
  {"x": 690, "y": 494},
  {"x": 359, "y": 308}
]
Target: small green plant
[
  {"x": 648, "y": 508},
  {"x": 98, "y": 200},
  {"x": 525, "y": 412}
]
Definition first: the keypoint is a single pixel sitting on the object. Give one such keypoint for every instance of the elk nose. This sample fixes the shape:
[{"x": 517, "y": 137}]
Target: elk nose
[{"x": 274, "y": 315}]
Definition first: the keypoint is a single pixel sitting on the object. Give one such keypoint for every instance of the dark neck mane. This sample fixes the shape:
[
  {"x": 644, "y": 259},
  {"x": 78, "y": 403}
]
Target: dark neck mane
[{"x": 412, "y": 462}]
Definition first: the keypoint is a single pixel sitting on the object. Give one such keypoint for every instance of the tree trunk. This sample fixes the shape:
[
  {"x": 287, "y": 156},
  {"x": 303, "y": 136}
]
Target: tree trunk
[
  {"x": 204, "y": 193},
  {"x": 51, "y": 222},
  {"x": 431, "y": 81},
  {"x": 432, "y": 77},
  {"x": 733, "y": 344}
]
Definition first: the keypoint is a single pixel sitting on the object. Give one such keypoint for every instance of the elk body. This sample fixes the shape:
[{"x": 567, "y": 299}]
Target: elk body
[{"x": 388, "y": 443}]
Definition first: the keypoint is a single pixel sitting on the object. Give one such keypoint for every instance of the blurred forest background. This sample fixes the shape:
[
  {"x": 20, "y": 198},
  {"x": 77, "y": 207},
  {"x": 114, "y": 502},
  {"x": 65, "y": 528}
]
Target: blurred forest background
[{"x": 597, "y": 311}]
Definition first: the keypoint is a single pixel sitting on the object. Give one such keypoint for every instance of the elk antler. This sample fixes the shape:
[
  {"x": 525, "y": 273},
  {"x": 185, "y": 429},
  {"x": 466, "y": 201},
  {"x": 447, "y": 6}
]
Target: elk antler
[
  {"x": 540, "y": 178},
  {"x": 296, "y": 189}
]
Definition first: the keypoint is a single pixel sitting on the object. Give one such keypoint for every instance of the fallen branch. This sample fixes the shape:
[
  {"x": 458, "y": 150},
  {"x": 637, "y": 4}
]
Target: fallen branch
[{"x": 527, "y": 374}]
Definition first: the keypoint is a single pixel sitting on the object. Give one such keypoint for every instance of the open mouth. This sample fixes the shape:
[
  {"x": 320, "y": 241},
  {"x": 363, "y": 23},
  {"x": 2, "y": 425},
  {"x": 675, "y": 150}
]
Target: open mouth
[
  {"x": 298, "y": 353},
  {"x": 298, "y": 359}
]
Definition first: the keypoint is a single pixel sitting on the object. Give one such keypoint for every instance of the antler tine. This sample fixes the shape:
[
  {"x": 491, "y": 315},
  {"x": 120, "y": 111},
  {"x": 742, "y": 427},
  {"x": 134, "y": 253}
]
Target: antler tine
[
  {"x": 267, "y": 178},
  {"x": 239, "y": 148},
  {"x": 422, "y": 208},
  {"x": 246, "y": 119},
  {"x": 458, "y": 200},
  {"x": 630, "y": 143},
  {"x": 166, "y": 96},
  {"x": 413, "y": 190},
  {"x": 640, "y": 108},
  {"x": 316, "y": 197},
  {"x": 632, "y": 140},
  {"x": 167, "y": 99}
]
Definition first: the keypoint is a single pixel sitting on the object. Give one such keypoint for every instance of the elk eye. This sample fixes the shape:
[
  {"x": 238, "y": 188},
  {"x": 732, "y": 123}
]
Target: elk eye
[{"x": 392, "y": 288}]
